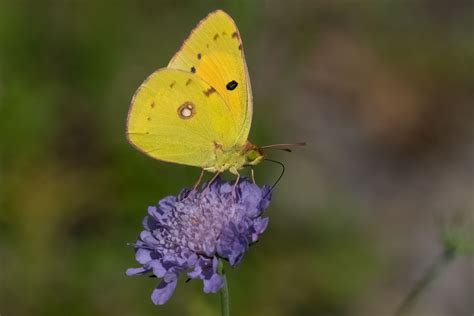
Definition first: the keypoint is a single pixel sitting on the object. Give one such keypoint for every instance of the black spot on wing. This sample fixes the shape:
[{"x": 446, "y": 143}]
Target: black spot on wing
[
  {"x": 193, "y": 70},
  {"x": 199, "y": 56},
  {"x": 232, "y": 85}
]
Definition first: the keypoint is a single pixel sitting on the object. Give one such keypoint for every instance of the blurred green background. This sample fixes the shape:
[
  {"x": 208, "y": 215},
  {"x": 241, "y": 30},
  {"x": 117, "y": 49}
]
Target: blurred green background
[{"x": 382, "y": 92}]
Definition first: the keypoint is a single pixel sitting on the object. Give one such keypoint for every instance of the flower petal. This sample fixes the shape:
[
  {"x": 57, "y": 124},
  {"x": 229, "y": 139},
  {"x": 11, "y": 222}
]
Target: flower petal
[
  {"x": 260, "y": 225},
  {"x": 162, "y": 293},
  {"x": 266, "y": 197},
  {"x": 136, "y": 271},
  {"x": 150, "y": 223},
  {"x": 214, "y": 284},
  {"x": 153, "y": 211},
  {"x": 143, "y": 255},
  {"x": 158, "y": 270},
  {"x": 166, "y": 205}
]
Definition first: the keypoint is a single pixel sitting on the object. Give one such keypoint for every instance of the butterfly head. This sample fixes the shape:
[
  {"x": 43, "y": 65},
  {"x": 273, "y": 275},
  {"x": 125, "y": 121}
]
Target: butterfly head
[{"x": 253, "y": 154}]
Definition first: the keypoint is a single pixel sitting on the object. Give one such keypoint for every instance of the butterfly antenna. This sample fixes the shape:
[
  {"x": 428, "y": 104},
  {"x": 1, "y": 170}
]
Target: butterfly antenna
[
  {"x": 285, "y": 147},
  {"x": 281, "y": 174}
]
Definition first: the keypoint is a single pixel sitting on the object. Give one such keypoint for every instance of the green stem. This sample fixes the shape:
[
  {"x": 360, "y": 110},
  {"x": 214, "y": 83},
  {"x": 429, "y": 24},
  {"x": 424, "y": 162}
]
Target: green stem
[
  {"x": 224, "y": 291},
  {"x": 433, "y": 272}
]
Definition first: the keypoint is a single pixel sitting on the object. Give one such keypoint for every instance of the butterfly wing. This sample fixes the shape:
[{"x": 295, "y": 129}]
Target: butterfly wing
[
  {"x": 214, "y": 52},
  {"x": 176, "y": 116}
]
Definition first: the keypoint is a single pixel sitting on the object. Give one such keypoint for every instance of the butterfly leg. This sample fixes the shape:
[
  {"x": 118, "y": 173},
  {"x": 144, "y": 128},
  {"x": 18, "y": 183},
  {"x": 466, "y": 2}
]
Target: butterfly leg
[
  {"x": 252, "y": 172},
  {"x": 199, "y": 180},
  {"x": 212, "y": 180},
  {"x": 236, "y": 183}
]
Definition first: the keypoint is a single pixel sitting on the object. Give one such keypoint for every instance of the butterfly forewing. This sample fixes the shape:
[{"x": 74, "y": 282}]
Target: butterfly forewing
[{"x": 214, "y": 52}]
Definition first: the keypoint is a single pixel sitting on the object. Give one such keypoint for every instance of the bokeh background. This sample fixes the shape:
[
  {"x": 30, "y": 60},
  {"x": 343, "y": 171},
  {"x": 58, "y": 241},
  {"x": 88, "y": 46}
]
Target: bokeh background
[{"x": 381, "y": 91}]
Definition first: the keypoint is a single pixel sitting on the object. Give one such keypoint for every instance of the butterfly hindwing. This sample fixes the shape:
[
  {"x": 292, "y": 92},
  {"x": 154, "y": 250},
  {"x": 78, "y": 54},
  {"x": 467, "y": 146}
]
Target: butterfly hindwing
[
  {"x": 214, "y": 52},
  {"x": 176, "y": 116}
]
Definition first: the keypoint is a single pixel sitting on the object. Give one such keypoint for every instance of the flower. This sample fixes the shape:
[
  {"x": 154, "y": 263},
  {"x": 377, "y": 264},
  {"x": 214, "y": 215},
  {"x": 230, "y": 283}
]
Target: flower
[{"x": 188, "y": 233}]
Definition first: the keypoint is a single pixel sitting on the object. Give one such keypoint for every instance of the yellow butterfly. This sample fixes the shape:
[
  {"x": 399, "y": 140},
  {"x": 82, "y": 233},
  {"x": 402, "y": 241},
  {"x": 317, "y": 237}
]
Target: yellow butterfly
[{"x": 198, "y": 110}]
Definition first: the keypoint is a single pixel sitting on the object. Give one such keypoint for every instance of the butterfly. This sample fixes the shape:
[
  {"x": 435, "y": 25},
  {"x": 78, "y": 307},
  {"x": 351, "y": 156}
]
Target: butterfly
[{"x": 198, "y": 110}]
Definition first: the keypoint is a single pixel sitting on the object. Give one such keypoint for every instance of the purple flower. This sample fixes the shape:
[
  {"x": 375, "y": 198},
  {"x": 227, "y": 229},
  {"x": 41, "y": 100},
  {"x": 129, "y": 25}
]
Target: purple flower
[{"x": 189, "y": 232}]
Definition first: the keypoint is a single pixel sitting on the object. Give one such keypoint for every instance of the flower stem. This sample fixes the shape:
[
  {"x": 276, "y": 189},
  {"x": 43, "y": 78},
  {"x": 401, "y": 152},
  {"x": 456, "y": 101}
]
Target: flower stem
[
  {"x": 225, "y": 311},
  {"x": 431, "y": 274}
]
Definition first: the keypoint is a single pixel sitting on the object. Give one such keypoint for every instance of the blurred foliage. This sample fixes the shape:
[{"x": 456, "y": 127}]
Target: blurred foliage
[{"x": 393, "y": 78}]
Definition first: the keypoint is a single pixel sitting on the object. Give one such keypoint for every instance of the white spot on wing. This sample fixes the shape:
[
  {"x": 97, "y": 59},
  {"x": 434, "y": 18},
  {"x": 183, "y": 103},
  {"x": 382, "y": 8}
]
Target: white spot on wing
[{"x": 186, "y": 112}]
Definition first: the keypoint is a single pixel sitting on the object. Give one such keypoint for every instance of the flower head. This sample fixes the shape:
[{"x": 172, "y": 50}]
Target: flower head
[{"x": 187, "y": 233}]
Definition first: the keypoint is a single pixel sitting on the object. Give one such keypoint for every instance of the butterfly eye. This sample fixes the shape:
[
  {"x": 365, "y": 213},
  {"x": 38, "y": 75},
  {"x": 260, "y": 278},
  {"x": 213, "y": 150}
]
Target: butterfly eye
[{"x": 232, "y": 85}]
